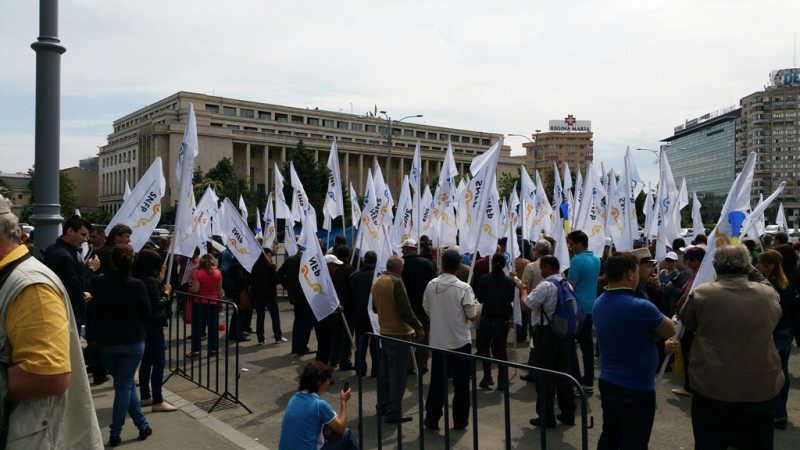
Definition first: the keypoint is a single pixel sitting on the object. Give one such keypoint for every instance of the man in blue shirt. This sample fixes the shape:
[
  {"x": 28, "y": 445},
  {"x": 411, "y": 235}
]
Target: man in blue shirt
[
  {"x": 584, "y": 268},
  {"x": 626, "y": 328}
]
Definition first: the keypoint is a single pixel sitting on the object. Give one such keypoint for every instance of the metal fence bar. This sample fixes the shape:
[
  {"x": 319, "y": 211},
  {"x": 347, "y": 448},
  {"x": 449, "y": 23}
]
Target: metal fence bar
[
  {"x": 193, "y": 367},
  {"x": 544, "y": 374}
]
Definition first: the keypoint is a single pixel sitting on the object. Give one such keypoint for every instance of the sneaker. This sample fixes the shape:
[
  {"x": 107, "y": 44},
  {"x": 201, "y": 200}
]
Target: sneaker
[
  {"x": 278, "y": 341},
  {"x": 164, "y": 407},
  {"x": 537, "y": 422},
  {"x": 681, "y": 391},
  {"x": 588, "y": 389},
  {"x": 262, "y": 342},
  {"x": 143, "y": 434},
  {"x": 146, "y": 401},
  {"x": 430, "y": 424},
  {"x": 486, "y": 382}
]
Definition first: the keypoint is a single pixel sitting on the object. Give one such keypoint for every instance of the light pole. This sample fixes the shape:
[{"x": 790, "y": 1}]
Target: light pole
[
  {"x": 534, "y": 140},
  {"x": 658, "y": 155},
  {"x": 389, "y": 144}
]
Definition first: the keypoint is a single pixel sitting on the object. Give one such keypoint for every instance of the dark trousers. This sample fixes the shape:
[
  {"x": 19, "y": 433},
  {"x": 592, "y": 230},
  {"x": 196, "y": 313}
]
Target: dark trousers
[
  {"x": 205, "y": 314},
  {"x": 363, "y": 325},
  {"x": 392, "y": 381},
  {"x": 304, "y": 321},
  {"x": 491, "y": 337},
  {"x": 262, "y": 304},
  {"x": 717, "y": 424},
  {"x": 461, "y": 372},
  {"x": 587, "y": 351},
  {"x": 552, "y": 352},
  {"x": 627, "y": 417},
  {"x": 151, "y": 369},
  {"x": 341, "y": 350}
]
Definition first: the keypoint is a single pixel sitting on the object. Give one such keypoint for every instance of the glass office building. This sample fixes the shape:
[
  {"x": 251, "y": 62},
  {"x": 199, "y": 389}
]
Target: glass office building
[{"x": 703, "y": 150}]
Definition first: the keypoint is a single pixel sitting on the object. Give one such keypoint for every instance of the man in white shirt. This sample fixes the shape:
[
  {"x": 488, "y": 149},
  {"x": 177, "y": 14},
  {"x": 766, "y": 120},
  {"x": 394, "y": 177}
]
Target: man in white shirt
[
  {"x": 549, "y": 351},
  {"x": 451, "y": 305}
]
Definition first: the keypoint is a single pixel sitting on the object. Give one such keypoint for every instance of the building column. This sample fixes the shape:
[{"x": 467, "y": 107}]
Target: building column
[
  {"x": 251, "y": 181},
  {"x": 361, "y": 172},
  {"x": 346, "y": 172}
]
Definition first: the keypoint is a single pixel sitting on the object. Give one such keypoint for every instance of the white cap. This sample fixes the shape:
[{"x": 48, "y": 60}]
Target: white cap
[
  {"x": 332, "y": 259},
  {"x": 5, "y": 207},
  {"x": 609, "y": 242},
  {"x": 672, "y": 255},
  {"x": 409, "y": 243}
]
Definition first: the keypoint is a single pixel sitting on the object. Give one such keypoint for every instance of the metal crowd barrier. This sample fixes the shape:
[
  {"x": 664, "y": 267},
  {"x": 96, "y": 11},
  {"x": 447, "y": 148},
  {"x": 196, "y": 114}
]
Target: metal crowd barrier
[
  {"x": 544, "y": 375},
  {"x": 218, "y": 370}
]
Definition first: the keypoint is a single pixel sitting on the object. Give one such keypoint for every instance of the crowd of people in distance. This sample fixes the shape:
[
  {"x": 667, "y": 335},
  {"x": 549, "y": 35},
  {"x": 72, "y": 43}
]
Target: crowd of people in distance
[{"x": 118, "y": 302}]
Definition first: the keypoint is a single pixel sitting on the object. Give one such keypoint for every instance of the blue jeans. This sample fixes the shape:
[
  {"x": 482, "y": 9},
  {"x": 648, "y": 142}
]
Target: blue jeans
[
  {"x": 587, "y": 351},
  {"x": 628, "y": 416},
  {"x": 153, "y": 363},
  {"x": 345, "y": 442},
  {"x": 205, "y": 314},
  {"x": 121, "y": 362},
  {"x": 262, "y": 305},
  {"x": 783, "y": 342}
]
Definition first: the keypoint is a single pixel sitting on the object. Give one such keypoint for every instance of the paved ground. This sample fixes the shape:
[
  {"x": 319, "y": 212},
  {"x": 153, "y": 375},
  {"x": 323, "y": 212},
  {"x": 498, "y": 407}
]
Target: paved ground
[{"x": 269, "y": 378}]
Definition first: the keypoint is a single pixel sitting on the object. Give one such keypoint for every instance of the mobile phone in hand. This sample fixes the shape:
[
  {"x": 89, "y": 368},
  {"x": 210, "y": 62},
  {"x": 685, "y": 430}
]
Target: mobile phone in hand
[{"x": 345, "y": 387}]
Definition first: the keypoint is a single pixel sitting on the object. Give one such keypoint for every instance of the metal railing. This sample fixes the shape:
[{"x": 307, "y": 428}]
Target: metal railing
[
  {"x": 544, "y": 376},
  {"x": 214, "y": 369}
]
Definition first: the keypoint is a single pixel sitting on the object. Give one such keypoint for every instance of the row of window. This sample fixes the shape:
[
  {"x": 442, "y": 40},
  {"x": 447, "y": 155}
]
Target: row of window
[
  {"x": 340, "y": 124},
  {"x": 119, "y": 158},
  {"x": 146, "y": 116}
]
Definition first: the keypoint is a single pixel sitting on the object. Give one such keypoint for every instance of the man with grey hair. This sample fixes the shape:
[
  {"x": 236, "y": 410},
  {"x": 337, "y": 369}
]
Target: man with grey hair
[
  {"x": 396, "y": 320},
  {"x": 531, "y": 278},
  {"x": 44, "y": 376},
  {"x": 736, "y": 371}
]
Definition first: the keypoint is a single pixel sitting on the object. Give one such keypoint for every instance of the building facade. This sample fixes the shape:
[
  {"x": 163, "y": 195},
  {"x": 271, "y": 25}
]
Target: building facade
[
  {"x": 770, "y": 126},
  {"x": 258, "y": 135},
  {"x": 566, "y": 141},
  {"x": 14, "y": 187},
  {"x": 702, "y": 150}
]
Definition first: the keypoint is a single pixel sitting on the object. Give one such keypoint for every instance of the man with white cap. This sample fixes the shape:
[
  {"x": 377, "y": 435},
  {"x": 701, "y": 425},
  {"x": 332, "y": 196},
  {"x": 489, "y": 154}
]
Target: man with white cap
[
  {"x": 668, "y": 278},
  {"x": 417, "y": 272}
]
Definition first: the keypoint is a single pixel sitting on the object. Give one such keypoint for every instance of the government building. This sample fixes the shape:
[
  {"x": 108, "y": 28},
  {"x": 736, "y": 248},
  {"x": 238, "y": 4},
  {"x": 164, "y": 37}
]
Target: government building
[{"x": 255, "y": 136}]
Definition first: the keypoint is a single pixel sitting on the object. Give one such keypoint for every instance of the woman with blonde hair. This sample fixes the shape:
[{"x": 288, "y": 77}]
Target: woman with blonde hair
[
  {"x": 769, "y": 264},
  {"x": 207, "y": 284}
]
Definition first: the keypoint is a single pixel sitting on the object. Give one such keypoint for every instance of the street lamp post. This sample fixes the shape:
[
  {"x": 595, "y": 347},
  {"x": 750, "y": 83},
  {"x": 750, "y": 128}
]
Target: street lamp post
[
  {"x": 657, "y": 154},
  {"x": 534, "y": 144},
  {"x": 389, "y": 144}
]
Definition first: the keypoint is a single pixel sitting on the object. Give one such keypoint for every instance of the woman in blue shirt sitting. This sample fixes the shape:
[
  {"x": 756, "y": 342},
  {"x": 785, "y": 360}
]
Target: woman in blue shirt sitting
[{"x": 309, "y": 422}]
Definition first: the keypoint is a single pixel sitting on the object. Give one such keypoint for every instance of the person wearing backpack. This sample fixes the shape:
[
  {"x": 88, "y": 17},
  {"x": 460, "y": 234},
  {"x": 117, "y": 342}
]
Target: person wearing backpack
[
  {"x": 550, "y": 351},
  {"x": 626, "y": 327},
  {"x": 584, "y": 269}
]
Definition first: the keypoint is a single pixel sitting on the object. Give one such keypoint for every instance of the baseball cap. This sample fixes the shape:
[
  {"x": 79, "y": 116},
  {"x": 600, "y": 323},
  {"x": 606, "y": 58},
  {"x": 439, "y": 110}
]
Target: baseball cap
[
  {"x": 409, "y": 243},
  {"x": 672, "y": 255},
  {"x": 332, "y": 259}
]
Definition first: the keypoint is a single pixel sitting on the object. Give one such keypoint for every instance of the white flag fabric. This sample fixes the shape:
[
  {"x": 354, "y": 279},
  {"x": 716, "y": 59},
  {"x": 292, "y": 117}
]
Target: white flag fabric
[
  {"x": 300, "y": 198},
  {"x": 282, "y": 210},
  {"x": 355, "y": 210},
  {"x": 383, "y": 197},
  {"x": 416, "y": 170},
  {"x": 369, "y": 229},
  {"x": 127, "y": 192},
  {"x": 334, "y": 202},
  {"x": 207, "y": 210},
  {"x": 240, "y": 240},
  {"x": 243, "y": 208},
  {"x": 185, "y": 239},
  {"x": 403, "y": 220},
  {"x": 414, "y": 178},
  {"x": 697, "y": 219},
  {"x": 762, "y": 206},
  {"x": 289, "y": 240},
  {"x": 384, "y": 252},
  {"x": 527, "y": 199},
  {"x": 780, "y": 219},
  {"x": 543, "y": 218},
  {"x": 269, "y": 224},
  {"x": 314, "y": 276},
  {"x": 142, "y": 210},
  {"x": 481, "y": 208},
  {"x": 257, "y": 231},
  {"x": 427, "y": 205}
]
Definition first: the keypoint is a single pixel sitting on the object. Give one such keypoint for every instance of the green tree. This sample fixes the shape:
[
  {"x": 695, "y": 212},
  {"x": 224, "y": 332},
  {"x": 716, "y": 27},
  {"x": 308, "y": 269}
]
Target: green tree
[
  {"x": 312, "y": 173},
  {"x": 506, "y": 183},
  {"x": 66, "y": 195}
]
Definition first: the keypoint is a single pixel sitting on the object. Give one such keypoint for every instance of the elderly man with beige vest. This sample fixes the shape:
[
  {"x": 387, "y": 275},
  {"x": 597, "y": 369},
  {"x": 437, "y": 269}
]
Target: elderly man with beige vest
[{"x": 736, "y": 372}]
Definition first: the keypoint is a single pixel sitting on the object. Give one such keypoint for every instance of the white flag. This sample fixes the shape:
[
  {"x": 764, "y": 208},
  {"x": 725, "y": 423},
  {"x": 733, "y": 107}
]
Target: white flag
[
  {"x": 300, "y": 200},
  {"x": 402, "y": 221},
  {"x": 127, "y": 192},
  {"x": 207, "y": 210},
  {"x": 314, "y": 276},
  {"x": 257, "y": 231},
  {"x": 269, "y": 224},
  {"x": 142, "y": 210},
  {"x": 240, "y": 240},
  {"x": 185, "y": 239},
  {"x": 697, "y": 219},
  {"x": 369, "y": 229},
  {"x": 334, "y": 202},
  {"x": 243, "y": 208},
  {"x": 282, "y": 210},
  {"x": 355, "y": 210},
  {"x": 780, "y": 219}
]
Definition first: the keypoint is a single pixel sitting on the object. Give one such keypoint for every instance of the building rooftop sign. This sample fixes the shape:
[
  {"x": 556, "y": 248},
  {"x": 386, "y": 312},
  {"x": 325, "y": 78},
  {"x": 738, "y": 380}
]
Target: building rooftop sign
[
  {"x": 785, "y": 77},
  {"x": 689, "y": 123},
  {"x": 569, "y": 123}
]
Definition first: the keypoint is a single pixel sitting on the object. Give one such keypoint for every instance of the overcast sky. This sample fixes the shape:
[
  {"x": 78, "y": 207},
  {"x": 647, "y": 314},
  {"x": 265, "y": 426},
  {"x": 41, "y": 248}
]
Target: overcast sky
[{"x": 636, "y": 69}]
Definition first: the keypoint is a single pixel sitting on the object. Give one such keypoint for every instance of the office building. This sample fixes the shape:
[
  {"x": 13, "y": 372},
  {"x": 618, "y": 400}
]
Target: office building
[
  {"x": 566, "y": 140},
  {"x": 702, "y": 150},
  {"x": 257, "y": 135}
]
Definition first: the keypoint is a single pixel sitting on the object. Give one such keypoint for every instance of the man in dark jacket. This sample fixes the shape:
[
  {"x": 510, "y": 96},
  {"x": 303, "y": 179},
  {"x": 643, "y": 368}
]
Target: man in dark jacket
[
  {"x": 64, "y": 259},
  {"x": 496, "y": 293},
  {"x": 342, "y": 345},
  {"x": 304, "y": 320},
  {"x": 360, "y": 286},
  {"x": 417, "y": 272}
]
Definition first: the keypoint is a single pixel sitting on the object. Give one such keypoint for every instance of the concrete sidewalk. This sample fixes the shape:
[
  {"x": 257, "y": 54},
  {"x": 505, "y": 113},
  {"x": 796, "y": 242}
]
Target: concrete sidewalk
[{"x": 189, "y": 427}]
